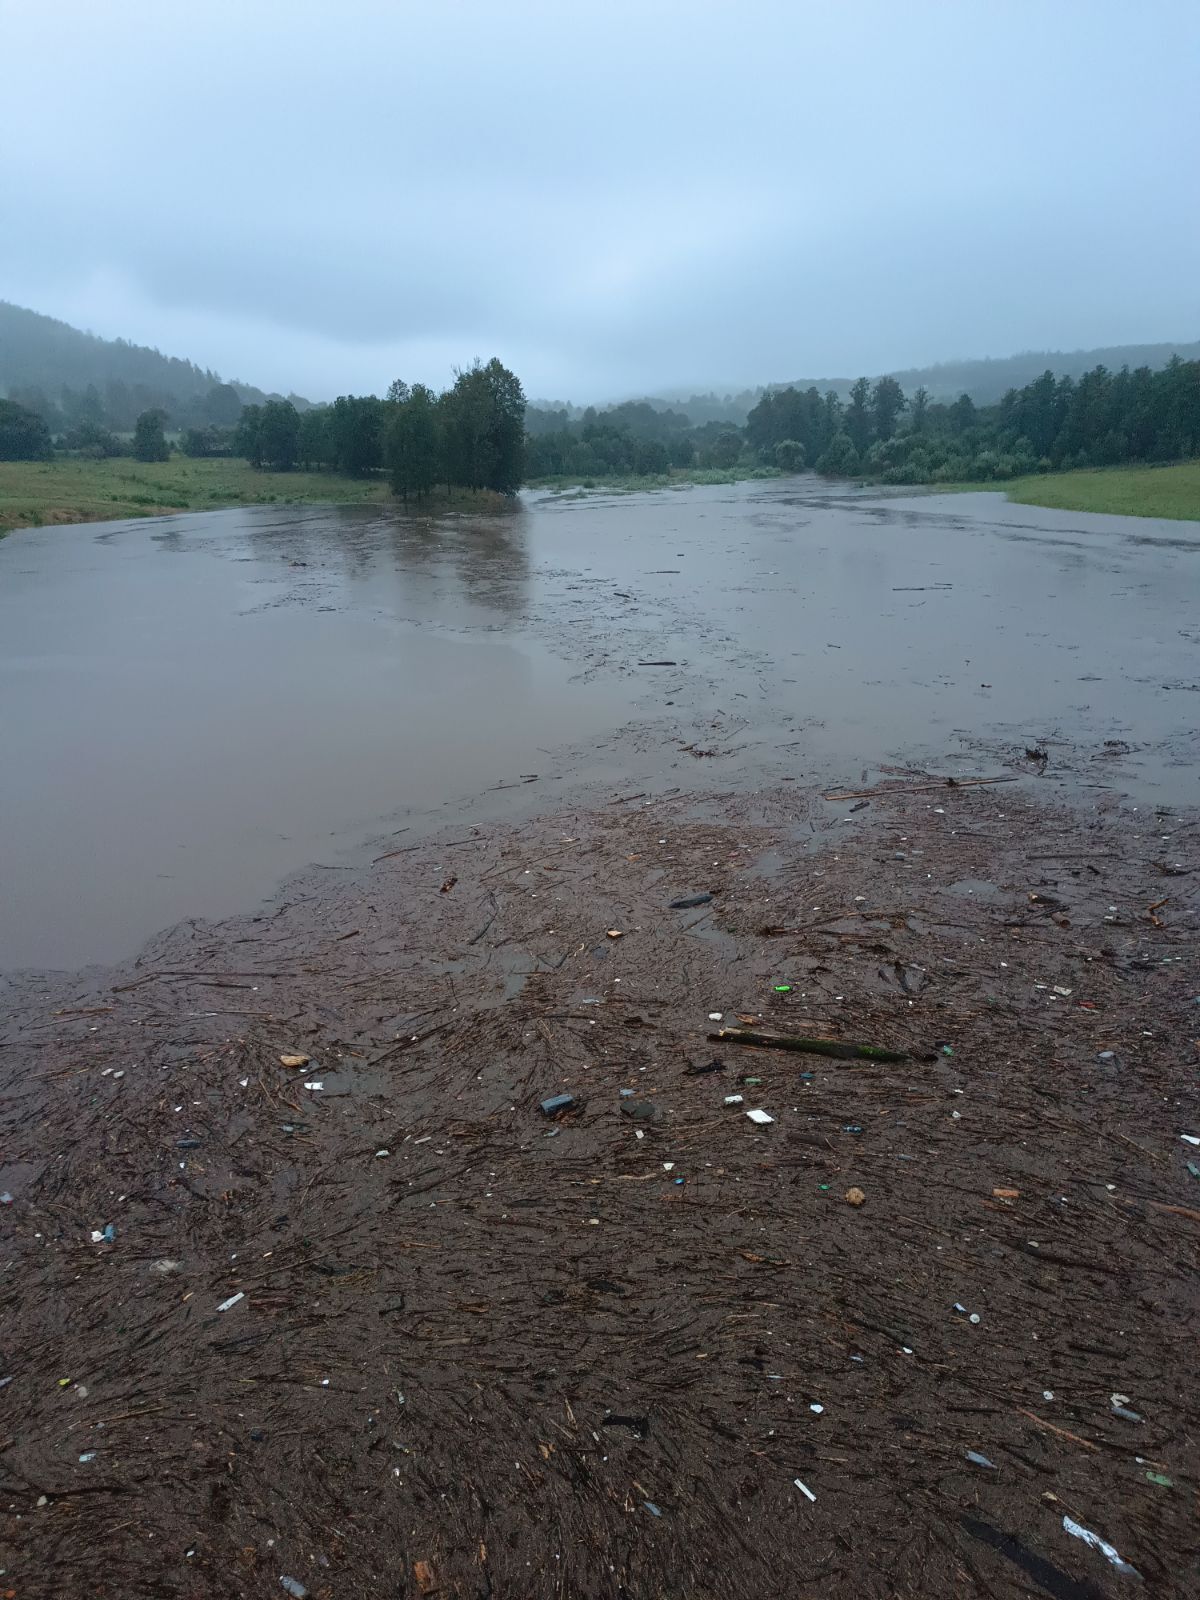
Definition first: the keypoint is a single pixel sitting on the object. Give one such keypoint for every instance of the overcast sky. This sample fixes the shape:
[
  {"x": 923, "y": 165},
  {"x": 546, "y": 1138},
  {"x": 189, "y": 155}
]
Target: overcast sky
[{"x": 616, "y": 197}]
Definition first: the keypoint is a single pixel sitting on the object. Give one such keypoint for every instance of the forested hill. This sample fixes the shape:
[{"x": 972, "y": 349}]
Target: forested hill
[
  {"x": 988, "y": 379},
  {"x": 41, "y": 357}
]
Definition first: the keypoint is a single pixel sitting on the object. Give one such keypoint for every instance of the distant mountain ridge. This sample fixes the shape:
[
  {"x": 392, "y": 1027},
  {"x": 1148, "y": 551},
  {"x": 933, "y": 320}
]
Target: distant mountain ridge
[
  {"x": 987, "y": 378},
  {"x": 40, "y": 353}
]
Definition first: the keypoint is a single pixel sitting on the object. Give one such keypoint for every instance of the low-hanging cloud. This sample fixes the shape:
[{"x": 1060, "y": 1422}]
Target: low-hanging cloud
[{"x": 631, "y": 199}]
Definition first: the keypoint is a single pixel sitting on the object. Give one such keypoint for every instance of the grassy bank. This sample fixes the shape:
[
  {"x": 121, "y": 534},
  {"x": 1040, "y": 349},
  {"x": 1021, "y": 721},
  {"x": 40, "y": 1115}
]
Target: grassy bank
[
  {"x": 33, "y": 493},
  {"x": 1172, "y": 491}
]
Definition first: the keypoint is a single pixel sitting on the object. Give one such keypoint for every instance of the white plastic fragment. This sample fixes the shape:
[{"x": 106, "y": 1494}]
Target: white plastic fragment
[
  {"x": 1190, "y": 1138},
  {"x": 760, "y": 1116},
  {"x": 379, "y": 1154},
  {"x": 734, "y": 1099},
  {"x": 817, "y": 1409},
  {"x": 668, "y": 1166},
  {"x": 293, "y": 1586},
  {"x": 227, "y": 1305},
  {"x": 716, "y": 1016},
  {"x": 1078, "y": 1531},
  {"x": 805, "y": 1490},
  {"x": 314, "y": 1085}
]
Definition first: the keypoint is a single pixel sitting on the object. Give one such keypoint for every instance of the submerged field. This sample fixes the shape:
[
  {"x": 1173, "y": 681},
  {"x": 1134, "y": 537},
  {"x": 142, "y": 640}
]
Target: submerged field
[{"x": 39, "y": 493}]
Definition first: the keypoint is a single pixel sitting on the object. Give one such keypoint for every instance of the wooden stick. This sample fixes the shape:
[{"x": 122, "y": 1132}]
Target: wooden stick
[
  {"x": 813, "y": 1047},
  {"x": 918, "y": 788}
]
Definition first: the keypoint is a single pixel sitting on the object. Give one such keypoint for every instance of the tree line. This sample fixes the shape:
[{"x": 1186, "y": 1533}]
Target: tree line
[
  {"x": 1101, "y": 418},
  {"x": 479, "y": 434},
  {"x": 471, "y": 436}
]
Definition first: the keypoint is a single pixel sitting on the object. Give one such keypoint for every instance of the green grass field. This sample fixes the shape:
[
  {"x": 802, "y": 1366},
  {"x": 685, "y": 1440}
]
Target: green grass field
[
  {"x": 1172, "y": 491},
  {"x": 33, "y": 493}
]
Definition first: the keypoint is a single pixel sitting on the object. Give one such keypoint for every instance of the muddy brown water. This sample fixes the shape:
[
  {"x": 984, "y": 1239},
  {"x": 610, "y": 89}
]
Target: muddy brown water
[{"x": 196, "y": 706}]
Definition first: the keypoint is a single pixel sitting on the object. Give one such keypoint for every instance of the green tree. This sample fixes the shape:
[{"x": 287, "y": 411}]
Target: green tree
[
  {"x": 962, "y": 414},
  {"x": 149, "y": 441},
  {"x": 355, "y": 425},
  {"x": 725, "y": 449},
  {"x": 279, "y": 434},
  {"x": 24, "y": 435},
  {"x": 247, "y": 441},
  {"x": 483, "y": 418},
  {"x": 222, "y": 406},
  {"x": 410, "y": 444},
  {"x": 789, "y": 455},
  {"x": 887, "y": 402},
  {"x": 918, "y": 410},
  {"x": 314, "y": 447},
  {"x": 858, "y": 416}
]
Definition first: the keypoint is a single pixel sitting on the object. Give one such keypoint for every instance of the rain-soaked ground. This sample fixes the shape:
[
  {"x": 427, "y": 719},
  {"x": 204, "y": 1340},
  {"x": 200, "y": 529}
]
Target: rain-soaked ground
[
  {"x": 196, "y": 706},
  {"x": 304, "y": 1291}
]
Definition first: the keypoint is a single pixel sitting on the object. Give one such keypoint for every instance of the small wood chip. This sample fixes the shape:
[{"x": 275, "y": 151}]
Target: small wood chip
[
  {"x": 855, "y": 1196},
  {"x": 423, "y": 1573},
  {"x": 1006, "y": 1194}
]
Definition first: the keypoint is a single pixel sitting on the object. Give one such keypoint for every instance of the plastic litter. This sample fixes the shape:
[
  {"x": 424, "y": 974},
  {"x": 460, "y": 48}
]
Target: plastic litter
[
  {"x": 715, "y": 1016},
  {"x": 557, "y": 1104},
  {"x": 655, "y": 1511},
  {"x": 626, "y": 1094},
  {"x": 816, "y": 1409},
  {"x": 1162, "y": 1481},
  {"x": 734, "y": 1099},
  {"x": 760, "y": 1116},
  {"x": 163, "y": 1267},
  {"x": 783, "y": 988},
  {"x": 689, "y": 901},
  {"x": 1078, "y": 1531},
  {"x": 293, "y": 1586},
  {"x": 227, "y": 1305},
  {"x": 379, "y": 1154},
  {"x": 314, "y": 1085},
  {"x": 88, "y": 1455},
  {"x": 6, "y": 1199},
  {"x": 104, "y": 1235},
  {"x": 977, "y": 1460},
  {"x": 1190, "y": 1138},
  {"x": 805, "y": 1490},
  {"x": 615, "y": 933},
  {"x": 1120, "y": 1408}
]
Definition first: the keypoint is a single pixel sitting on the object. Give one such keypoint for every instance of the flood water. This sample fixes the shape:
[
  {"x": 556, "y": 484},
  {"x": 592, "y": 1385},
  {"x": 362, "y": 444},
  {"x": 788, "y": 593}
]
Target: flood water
[{"x": 196, "y": 706}]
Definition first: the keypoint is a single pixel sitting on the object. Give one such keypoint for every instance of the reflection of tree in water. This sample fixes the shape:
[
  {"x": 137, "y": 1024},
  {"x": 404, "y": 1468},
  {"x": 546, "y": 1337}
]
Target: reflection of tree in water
[{"x": 415, "y": 563}]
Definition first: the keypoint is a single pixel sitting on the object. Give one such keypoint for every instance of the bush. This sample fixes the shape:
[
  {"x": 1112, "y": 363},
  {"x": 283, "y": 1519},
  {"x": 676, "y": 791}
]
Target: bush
[
  {"x": 94, "y": 440},
  {"x": 789, "y": 456},
  {"x": 840, "y": 460}
]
